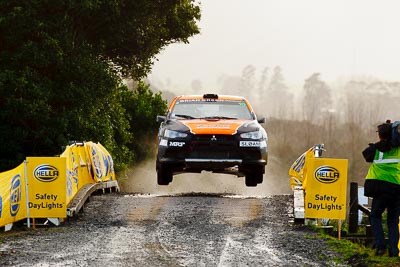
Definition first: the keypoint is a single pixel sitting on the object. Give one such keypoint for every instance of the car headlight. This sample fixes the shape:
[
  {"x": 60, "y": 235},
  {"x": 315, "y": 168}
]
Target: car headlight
[
  {"x": 174, "y": 134},
  {"x": 256, "y": 135}
]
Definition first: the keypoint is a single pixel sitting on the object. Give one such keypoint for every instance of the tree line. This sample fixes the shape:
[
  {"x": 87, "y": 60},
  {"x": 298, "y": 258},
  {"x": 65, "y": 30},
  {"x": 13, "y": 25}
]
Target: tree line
[
  {"x": 63, "y": 64},
  {"x": 343, "y": 115}
]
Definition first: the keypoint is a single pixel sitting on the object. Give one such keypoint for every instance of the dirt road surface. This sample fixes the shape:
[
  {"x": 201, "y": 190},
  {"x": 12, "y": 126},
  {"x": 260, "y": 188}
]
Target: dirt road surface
[{"x": 203, "y": 220}]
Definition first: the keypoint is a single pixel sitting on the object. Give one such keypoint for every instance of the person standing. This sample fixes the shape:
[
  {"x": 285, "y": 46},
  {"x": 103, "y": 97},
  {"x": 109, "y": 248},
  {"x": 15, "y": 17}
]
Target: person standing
[{"x": 382, "y": 184}]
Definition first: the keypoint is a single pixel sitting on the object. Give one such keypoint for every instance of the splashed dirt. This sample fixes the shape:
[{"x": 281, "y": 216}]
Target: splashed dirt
[{"x": 142, "y": 179}]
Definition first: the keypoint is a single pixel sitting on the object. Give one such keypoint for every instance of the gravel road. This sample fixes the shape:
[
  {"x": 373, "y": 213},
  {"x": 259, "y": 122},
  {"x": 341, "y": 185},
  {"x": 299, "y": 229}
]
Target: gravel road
[
  {"x": 184, "y": 230},
  {"x": 222, "y": 223}
]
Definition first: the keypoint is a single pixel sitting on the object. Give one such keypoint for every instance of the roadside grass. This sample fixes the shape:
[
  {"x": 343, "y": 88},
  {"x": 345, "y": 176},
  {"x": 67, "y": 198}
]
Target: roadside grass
[{"x": 355, "y": 253}]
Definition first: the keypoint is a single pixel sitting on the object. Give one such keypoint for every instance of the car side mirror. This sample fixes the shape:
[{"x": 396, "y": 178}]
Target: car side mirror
[
  {"x": 262, "y": 120},
  {"x": 161, "y": 118}
]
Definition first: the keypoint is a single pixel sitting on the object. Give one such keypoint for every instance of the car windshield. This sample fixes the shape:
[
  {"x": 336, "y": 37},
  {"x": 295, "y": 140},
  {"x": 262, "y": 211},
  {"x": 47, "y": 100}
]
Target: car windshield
[{"x": 215, "y": 109}]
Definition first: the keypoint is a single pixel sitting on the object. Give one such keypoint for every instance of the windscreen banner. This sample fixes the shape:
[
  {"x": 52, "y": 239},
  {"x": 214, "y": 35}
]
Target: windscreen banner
[
  {"x": 12, "y": 196},
  {"x": 326, "y": 188},
  {"x": 46, "y": 187}
]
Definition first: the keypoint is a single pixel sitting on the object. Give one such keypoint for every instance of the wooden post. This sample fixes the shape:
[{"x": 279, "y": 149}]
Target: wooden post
[{"x": 353, "y": 214}]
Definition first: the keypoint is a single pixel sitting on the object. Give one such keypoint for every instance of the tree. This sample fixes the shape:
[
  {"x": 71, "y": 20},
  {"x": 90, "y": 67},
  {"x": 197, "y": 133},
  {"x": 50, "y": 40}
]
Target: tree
[
  {"x": 317, "y": 98},
  {"x": 279, "y": 100},
  {"x": 62, "y": 64},
  {"x": 247, "y": 82},
  {"x": 131, "y": 33},
  {"x": 143, "y": 106},
  {"x": 262, "y": 85}
]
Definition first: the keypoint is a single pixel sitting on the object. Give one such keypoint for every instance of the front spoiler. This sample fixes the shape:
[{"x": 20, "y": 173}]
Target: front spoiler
[{"x": 214, "y": 165}]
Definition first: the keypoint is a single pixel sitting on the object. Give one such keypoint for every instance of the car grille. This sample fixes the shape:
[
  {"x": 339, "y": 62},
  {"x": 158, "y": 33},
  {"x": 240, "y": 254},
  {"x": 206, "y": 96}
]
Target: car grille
[
  {"x": 207, "y": 141},
  {"x": 213, "y": 146}
]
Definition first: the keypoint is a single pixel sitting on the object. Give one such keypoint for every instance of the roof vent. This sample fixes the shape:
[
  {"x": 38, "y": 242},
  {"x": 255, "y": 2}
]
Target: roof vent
[{"x": 213, "y": 96}]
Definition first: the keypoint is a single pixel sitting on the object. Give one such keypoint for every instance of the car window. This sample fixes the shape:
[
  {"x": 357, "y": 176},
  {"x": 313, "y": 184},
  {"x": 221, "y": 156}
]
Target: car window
[{"x": 187, "y": 109}]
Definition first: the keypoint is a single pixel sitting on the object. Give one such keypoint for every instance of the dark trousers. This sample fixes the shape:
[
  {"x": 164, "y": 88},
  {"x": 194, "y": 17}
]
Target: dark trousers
[{"x": 392, "y": 204}]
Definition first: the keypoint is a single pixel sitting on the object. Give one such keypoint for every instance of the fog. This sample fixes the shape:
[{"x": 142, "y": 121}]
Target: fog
[
  {"x": 318, "y": 71},
  {"x": 337, "y": 38}
]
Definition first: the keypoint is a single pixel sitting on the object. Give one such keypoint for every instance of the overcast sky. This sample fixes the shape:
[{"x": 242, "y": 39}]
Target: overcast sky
[{"x": 338, "y": 38}]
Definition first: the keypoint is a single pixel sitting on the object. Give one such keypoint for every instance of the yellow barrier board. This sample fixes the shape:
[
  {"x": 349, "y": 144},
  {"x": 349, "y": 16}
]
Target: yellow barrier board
[
  {"x": 46, "y": 187},
  {"x": 42, "y": 187},
  {"x": 12, "y": 196},
  {"x": 299, "y": 168},
  {"x": 101, "y": 161},
  {"x": 326, "y": 188},
  {"x": 78, "y": 169}
]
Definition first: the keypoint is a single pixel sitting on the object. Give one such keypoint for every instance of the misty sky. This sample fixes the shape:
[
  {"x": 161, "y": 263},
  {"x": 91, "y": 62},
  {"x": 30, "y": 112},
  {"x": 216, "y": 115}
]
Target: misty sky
[{"x": 338, "y": 38}]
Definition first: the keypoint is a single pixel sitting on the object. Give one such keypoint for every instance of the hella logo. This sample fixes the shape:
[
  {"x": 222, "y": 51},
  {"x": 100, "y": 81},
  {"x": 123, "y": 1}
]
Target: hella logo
[
  {"x": 15, "y": 195},
  {"x": 46, "y": 173},
  {"x": 326, "y": 174}
]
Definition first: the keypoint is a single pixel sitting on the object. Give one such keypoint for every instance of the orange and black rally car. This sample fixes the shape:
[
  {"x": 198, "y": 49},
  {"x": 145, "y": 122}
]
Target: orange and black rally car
[{"x": 217, "y": 133}]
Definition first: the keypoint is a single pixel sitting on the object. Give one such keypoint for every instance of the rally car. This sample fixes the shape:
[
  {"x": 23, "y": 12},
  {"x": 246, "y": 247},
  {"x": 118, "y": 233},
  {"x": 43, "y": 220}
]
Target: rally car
[{"x": 210, "y": 132}]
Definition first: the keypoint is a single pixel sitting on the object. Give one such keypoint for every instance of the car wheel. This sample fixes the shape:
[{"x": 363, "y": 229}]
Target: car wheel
[
  {"x": 260, "y": 178},
  {"x": 164, "y": 176},
  {"x": 252, "y": 179}
]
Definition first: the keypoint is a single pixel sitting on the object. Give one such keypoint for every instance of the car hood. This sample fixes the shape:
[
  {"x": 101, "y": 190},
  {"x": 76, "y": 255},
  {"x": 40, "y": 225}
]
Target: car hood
[{"x": 227, "y": 127}]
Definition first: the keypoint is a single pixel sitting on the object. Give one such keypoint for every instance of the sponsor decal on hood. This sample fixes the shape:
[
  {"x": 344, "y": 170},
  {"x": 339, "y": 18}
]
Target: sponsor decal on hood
[{"x": 228, "y": 127}]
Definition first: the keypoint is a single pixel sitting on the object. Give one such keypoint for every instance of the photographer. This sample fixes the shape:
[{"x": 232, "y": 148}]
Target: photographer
[{"x": 382, "y": 184}]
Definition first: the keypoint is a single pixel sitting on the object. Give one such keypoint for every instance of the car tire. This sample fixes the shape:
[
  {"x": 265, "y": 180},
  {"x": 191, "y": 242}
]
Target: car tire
[
  {"x": 254, "y": 178},
  {"x": 164, "y": 175},
  {"x": 259, "y": 178}
]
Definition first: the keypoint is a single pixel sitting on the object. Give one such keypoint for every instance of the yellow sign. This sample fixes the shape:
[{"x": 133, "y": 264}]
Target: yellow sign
[
  {"x": 46, "y": 187},
  {"x": 326, "y": 188},
  {"x": 12, "y": 196}
]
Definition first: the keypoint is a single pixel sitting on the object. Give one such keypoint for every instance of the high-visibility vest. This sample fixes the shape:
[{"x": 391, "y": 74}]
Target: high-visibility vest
[{"x": 386, "y": 166}]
